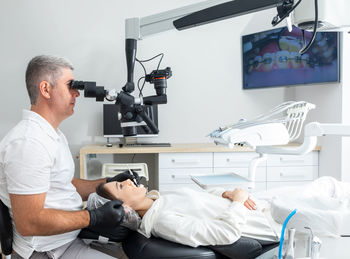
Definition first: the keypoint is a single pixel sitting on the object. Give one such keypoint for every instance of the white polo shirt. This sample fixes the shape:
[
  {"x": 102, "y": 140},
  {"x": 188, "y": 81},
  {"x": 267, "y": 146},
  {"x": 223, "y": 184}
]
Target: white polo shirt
[{"x": 35, "y": 158}]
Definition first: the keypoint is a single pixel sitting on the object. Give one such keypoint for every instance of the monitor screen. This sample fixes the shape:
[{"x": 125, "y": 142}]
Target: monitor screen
[
  {"x": 111, "y": 124},
  {"x": 271, "y": 58}
]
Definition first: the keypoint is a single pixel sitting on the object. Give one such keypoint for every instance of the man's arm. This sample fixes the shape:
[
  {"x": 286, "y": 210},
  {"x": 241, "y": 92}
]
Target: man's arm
[
  {"x": 86, "y": 187},
  {"x": 32, "y": 219}
]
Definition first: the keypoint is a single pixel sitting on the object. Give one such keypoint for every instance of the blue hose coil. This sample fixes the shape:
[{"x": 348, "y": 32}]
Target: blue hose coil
[{"x": 282, "y": 233}]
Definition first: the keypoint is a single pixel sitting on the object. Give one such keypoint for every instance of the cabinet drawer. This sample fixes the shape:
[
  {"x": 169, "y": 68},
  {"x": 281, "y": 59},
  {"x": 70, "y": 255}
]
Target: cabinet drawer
[
  {"x": 271, "y": 185},
  {"x": 237, "y": 159},
  {"x": 185, "y": 160},
  {"x": 260, "y": 175},
  {"x": 292, "y": 173},
  {"x": 172, "y": 176},
  {"x": 290, "y": 160},
  {"x": 171, "y": 187}
]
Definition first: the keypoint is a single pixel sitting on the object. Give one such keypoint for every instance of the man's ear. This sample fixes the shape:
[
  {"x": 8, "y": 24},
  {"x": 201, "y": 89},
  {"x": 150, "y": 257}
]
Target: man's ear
[{"x": 45, "y": 89}]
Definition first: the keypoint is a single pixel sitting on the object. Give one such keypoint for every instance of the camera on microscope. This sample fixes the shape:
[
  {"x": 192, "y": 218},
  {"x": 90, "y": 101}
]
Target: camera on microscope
[{"x": 159, "y": 79}]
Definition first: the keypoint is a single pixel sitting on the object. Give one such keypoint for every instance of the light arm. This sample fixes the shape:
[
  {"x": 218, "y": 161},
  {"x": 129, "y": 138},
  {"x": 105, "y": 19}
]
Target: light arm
[{"x": 311, "y": 132}]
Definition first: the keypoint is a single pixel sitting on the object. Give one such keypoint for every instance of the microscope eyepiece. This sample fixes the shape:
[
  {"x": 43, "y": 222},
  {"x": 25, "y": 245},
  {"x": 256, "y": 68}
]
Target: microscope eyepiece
[{"x": 90, "y": 89}]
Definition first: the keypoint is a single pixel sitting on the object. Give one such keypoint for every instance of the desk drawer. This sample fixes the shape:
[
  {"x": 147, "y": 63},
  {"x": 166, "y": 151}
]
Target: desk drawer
[
  {"x": 260, "y": 175},
  {"x": 171, "y": 187},
  {"x": 292, "y": 173},
  {"x": 290, "y": 160},
  {"x": 259, "y": 187},
  {"x": 272, "y": 185},
  {"x": 175, "y": 176},
  {"x": 185, "y": 160},
  {"x": 237, "y": 159}
]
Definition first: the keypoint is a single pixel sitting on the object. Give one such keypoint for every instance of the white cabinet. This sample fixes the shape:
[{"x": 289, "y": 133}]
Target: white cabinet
[
  {"x": 287, "y": 170},
  {"x": 175, "y": 169},
  {"x": 185, "y": 160},
  {"x": 278, "y": 171}
]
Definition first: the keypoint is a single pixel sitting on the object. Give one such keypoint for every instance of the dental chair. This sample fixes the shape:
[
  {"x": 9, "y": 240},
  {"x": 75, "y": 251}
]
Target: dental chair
[{"x": 136, "y": 246}]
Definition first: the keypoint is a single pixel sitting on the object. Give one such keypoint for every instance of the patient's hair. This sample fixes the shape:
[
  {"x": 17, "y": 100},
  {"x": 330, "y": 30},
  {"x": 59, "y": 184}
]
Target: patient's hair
[{"x": 103, "y": 192}]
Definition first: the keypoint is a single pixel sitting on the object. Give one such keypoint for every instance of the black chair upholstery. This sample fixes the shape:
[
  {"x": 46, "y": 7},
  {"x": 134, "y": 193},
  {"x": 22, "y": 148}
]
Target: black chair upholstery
[
  {"x": 6, "y": 231},
  {"x": 244, "y": 248},
  {"x": 118, "y": 234},
  {"x": 136, "y": 246}
]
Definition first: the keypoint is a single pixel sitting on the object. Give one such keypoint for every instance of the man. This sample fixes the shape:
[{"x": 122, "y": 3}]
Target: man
[{"x": 36, "y": 172}]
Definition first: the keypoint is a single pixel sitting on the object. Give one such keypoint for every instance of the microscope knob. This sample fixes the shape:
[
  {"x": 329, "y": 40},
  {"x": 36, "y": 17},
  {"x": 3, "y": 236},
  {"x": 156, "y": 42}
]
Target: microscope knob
[{"x": 128, "y": 116}]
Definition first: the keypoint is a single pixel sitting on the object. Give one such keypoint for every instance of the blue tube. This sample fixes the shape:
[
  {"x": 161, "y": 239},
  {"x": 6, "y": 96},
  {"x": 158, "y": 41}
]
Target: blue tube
[{"x": 282, "y": 232}]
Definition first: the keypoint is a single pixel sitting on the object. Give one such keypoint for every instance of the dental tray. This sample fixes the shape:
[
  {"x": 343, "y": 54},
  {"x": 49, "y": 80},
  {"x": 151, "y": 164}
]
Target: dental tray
[{"x": 230, "y": 180}]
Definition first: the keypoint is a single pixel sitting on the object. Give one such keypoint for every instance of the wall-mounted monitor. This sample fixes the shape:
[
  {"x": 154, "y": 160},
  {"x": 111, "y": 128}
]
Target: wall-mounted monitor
[
  {"x": 271, "y": 58},
  {"x": 111, "y": 123}
]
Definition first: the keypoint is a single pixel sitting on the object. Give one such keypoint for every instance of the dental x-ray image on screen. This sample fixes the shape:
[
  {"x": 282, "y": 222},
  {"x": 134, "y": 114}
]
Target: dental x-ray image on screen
[{"x": 271, "y": 58}]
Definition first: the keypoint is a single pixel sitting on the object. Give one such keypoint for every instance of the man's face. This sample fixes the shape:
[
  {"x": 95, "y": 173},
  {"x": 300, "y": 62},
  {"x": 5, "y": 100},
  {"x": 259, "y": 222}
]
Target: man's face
[
  {"x": 62, "y": 96},
  {"x": 127, "y": 192}
]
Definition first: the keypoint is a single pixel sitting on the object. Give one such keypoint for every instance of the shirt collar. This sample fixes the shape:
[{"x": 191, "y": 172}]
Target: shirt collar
[{"x": 43, "y": 123}]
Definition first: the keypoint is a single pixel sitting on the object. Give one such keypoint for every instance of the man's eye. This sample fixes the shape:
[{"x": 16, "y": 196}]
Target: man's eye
[
  {"x": 70, "y": 84},
  {"x": 120, "y": 186}
]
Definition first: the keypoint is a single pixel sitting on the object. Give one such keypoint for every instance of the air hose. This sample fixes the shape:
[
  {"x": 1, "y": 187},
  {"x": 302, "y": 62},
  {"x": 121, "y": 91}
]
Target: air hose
[{"x": 282, "y": 233}]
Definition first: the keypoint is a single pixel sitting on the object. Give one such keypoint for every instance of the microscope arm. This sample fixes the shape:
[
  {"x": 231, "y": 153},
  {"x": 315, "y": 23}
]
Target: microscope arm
[{"x": 193, "y": 15}]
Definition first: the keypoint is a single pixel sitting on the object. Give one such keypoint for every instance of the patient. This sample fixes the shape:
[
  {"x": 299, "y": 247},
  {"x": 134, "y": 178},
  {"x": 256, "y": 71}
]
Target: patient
[
  {"x": 220, "y": 217},
  {"x": 195, "y": 218}
]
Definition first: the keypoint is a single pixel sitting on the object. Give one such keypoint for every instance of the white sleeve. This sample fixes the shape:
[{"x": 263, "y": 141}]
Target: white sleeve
[
  {"x": 216, "y": 191},
  {"x": 27, "y": 167},
  {"x": 222, "y": 230}
]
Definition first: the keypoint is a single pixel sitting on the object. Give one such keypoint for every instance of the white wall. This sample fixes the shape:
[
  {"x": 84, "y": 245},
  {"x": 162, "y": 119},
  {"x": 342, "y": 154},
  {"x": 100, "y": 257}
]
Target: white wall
[
  {"x": 204, "y": 92},
  {"x": 332, "y": 106}
]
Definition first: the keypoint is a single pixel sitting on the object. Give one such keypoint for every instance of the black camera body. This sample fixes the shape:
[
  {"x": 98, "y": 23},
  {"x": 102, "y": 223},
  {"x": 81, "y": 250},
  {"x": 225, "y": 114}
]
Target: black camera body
[{"x": 158, "y": 78}]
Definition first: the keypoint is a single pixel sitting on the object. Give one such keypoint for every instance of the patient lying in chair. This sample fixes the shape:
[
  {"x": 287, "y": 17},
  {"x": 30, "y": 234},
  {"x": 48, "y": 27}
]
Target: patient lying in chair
[{"x": 197, "y": 218}]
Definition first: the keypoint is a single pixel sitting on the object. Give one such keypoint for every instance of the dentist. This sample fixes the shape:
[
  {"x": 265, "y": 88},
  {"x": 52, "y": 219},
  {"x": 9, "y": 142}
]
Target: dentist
[{"x": 37, "y": 169}]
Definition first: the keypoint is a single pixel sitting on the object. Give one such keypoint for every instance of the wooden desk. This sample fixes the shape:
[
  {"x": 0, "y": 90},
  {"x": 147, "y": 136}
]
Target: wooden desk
[
  {"x": 170, "y": 167},
  {"x": 175, "y": 148}
]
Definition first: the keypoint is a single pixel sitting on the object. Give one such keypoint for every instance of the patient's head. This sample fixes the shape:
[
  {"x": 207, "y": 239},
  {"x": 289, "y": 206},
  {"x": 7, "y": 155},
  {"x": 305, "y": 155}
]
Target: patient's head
[{"x": 125, "y": 191}]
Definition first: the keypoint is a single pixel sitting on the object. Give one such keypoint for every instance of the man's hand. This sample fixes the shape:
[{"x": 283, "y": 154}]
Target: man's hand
[
  {"x": 108, "y": 215},
  {"x": 241, "y": 196},
  {"x": 125, "y": 176}
]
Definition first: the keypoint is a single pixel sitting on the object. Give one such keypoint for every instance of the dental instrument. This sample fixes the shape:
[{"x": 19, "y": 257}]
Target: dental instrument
[{"x": 289, "y": 251}]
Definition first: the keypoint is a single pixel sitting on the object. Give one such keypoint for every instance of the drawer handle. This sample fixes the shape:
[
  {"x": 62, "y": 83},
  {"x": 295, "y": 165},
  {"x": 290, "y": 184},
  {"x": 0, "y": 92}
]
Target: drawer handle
[
  {"x": 284, "y": 160},
  {"x": 228, "y": 160},
  {"x": 291, "y": 175},
  {"x": 184, "y": 161},
  {"x": 179, "y": 176}
]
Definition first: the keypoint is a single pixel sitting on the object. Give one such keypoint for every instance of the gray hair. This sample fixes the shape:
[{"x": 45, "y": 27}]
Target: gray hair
[{"x": 44, "y": 67}]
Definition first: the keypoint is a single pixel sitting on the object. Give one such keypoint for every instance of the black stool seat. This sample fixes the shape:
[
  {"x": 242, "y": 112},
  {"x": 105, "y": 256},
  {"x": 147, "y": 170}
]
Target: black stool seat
[{"x": 6, "y": 231}]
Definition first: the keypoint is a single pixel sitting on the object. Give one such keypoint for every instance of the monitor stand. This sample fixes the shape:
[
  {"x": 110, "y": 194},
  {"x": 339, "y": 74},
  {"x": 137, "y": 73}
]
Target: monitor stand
[
  {"x": 109, "y": 144},
  {"x": 132, "y": 142}
]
